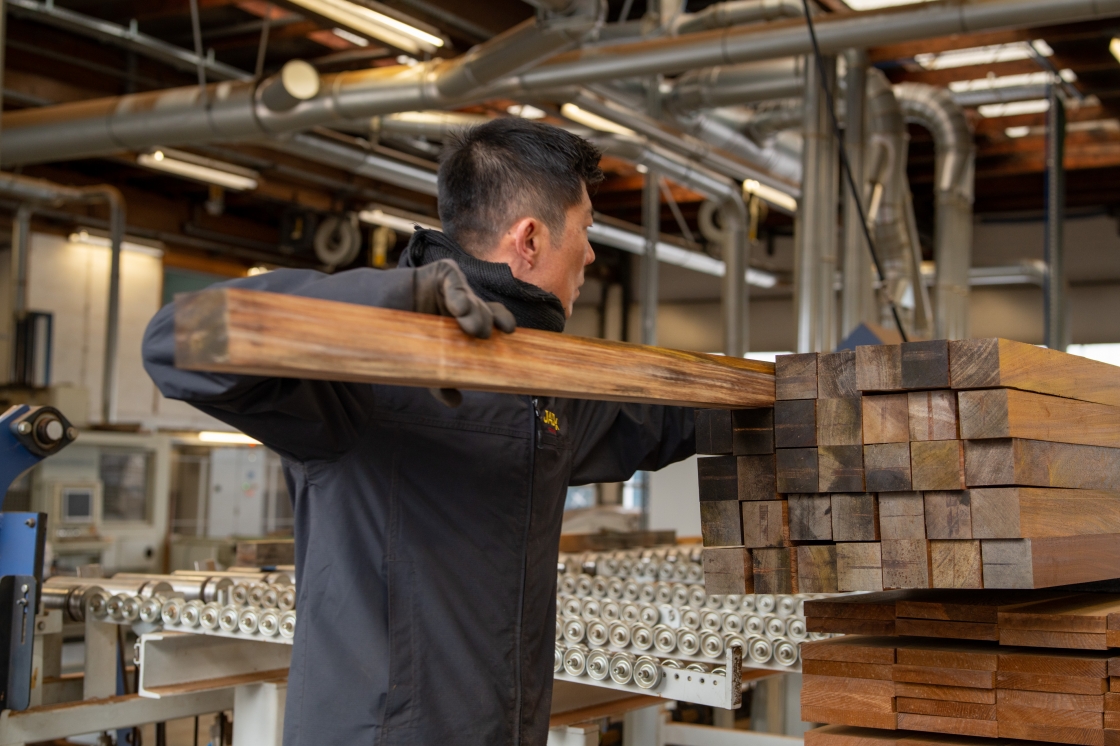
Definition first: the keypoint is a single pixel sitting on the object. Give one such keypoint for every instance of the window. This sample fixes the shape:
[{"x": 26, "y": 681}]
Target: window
[{"x": 126, "y": 478}]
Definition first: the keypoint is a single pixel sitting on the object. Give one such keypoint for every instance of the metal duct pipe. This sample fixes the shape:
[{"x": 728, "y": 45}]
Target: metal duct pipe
[
  {"x": 889, "y": 207},
  {"x": 40, "y": 192},
  {"x": 236, "y": 110},
  {"x": 728, "y": 194},
  {"x": 725, "y": 85},
  {"x": 857, "y": 295},
  {"x": 954, "y": 176},
  {"x": 735, "y": 12}
]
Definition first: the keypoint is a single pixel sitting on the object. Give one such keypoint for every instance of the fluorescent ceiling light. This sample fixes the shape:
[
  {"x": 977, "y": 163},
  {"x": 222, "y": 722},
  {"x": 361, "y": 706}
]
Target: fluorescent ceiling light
[
  {"x": 200, "y": 169},
  {"x": 594, "y": 121},
  {"x": 86, "y": 238},
  {"x": 1009, "y": 81},
  {"x": 1091, "y": 125},
  {"x": 396, "y": 222},
  {"x": 1016, "y": 132},
  {"x": 358, "y": 41},
  {"x": 369, "y": 22},
  {"x": 1018, "y": 50},
  {"x": 240, "y": 439},
  {"x": 525, "y": 111},
  {"x": 770, "y": 194},
  {"x": 1114, "y": 47},
  {"x": 876, "y": 4},
  {"x": 1014, "y": 108}
]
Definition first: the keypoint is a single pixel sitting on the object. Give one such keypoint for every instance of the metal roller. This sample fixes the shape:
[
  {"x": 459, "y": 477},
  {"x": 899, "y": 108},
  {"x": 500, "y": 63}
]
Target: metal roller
[
  {"x": 765, "y": 603},
  {"x": 572, "y": 606},
  {"x": 753, "y": 625},
  {"x": 610, "y": 611},
  {"x": 210, "y": 616},
  {"x": 191, "y": 614},
  {"x": 619, "y": 634},
  {"x": 680, "y": 595},
  {"x": 732, "y": 622},
  {"x": 697, "y": 596},
  {"x": 574, "y": 630},
  {"x": 631, "y": 614},
  {"x": 647, "y": 594},
  {"x": 575, "y": 660},
  {"x": 589, "y": 609},
  {"x": 775, "y": 626},
  {"x": 615, "y": 588},
  {"x": 649, "y": 615},
  {"x": 268, "y": 624},
  {"x": 787, "y": 606},
  {"x": 599, "y": 664},
  {"x": 288, "y": 624},
  {"x": 711, "y": 645},
  {"x": 732, "y": 602},
  {"x": 597, "y": 633},
  {"x": 690, "y": 619},
  {"x": 647, "y": 672},
  {"x": 796, "y": 629},
  {"x": 747, "y": 604},
  {"x": 714, "y": 602},
  {"x": 688, "y": 641},
  {"x": 599, "y": 588},
  {"x": 664, "y": 639},
  {"x": 785, "y": 652},
  {"x": 558, "y": 659},
  {"x": 248, "y": 620},
  {"x": 641, "y": 637},
  {"x": 711, "y": 621},
  {"x": 622, "y": 668},
  {"x": 760, "y": 650}
]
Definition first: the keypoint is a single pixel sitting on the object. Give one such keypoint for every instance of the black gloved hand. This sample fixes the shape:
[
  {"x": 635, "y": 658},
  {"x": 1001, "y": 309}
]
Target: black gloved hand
[{"x": 442, "y": 289}]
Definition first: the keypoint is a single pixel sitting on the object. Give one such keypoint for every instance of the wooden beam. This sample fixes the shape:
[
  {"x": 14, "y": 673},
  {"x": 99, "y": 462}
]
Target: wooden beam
[
  {"x": 1007, "y": 413},
  {"x": 232, "y": 330},
  {"x": 1028, "y": 512},
  {"x": 1036, "y": 463},
  {"x": 1046, "y": 562}
]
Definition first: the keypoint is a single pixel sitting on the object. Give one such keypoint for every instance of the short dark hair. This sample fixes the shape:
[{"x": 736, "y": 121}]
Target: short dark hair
[{"x": 492, "y": 174}]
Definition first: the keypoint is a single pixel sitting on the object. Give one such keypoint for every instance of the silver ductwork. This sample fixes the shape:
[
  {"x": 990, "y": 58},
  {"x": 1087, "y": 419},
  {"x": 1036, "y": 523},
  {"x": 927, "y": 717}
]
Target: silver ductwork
[
  {"x": 233, "y": 111},
  {"x": 954, "y": 177},
  {"x": 725, "y": 85},
  {"x": 37, "y": 192},
  {"x": 734, "y": 13}
]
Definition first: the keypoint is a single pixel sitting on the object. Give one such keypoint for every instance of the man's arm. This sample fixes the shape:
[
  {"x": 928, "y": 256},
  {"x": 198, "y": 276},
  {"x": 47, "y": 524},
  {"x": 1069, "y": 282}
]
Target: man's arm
[
  {"x": 618, "y": 439},
  {"x": 299, "y": 419}
]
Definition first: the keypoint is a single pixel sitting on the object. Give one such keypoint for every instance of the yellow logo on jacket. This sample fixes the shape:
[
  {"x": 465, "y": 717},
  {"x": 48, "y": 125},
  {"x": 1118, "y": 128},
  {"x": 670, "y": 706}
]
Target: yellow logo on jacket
[{"x": 549, "y": 418}]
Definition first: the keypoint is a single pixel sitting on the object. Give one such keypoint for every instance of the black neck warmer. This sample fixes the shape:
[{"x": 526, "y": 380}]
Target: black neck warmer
[{"x": 532, "y": 307}]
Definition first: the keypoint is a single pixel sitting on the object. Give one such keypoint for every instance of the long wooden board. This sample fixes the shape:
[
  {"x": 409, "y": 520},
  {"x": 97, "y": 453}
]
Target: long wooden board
[
  {"x": 1050, "y": 561},
  {"x": 1035, "y": 512},
  {"x": 232, "y": 330},
  {"x": 991, "y": 363},
  {"x": 1007, "y": 413},
  {"x": 1038, "y": 463}
]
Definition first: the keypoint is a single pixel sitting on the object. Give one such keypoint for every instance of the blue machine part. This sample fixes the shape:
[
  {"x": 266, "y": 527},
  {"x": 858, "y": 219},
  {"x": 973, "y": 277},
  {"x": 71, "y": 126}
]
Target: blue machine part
[{"x": 27, "y": 436}]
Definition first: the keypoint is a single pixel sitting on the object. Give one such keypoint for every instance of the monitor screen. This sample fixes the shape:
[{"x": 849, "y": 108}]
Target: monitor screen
[{"x": 77, "y": 505}]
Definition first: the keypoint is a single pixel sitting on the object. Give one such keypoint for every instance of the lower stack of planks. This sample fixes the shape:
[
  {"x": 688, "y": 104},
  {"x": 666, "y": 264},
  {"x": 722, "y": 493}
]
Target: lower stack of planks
[{"x": 944, "y": 464}]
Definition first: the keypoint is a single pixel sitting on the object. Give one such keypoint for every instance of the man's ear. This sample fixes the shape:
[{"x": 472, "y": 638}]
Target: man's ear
[{"x": 530, "y": 238}]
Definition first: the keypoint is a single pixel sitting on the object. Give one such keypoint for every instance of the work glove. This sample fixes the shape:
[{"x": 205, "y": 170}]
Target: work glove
[{"x": 442, "y": 289}]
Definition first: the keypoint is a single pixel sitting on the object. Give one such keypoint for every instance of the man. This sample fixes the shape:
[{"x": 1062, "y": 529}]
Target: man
[{"x": 427, "y": 534}]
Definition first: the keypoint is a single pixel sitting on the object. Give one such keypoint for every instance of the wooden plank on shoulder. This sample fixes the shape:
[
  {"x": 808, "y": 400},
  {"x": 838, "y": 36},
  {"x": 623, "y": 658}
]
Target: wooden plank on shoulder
[
  {"x": 992, "y": 363},
  {"x": 234, "y": 330}
]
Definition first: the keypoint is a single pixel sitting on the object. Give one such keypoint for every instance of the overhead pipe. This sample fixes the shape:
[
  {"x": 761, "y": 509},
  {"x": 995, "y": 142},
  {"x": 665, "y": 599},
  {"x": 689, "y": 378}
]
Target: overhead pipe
[
  {"x": 735, "y": 12},
  {"x": 857, "y": 296},
  {"x": 232, "y": 111},
  {"x": 37, "y": 192},
  {"x": 954, "y": 178},
  {"x": 725, "y": 85}
]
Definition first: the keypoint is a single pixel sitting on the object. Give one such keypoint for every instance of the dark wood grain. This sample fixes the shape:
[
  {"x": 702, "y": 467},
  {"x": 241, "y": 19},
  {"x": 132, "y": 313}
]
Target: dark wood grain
[
  {"x": 757, "y": 477},
  {"x": 719, "y": 523},
  {"x": 840, "y": 469},
  {"x": 945, "y": 693},
  {"x": 810, "y": 518},
  {"x": 816, "y": 568},
  {"x": 752, "y": 431},
  {"x": 718, "y": 478},
  {"x": 855, "y": 517},
  {"x": 795, "y": 376},
  {"x": 727, "y": 570},
  {"x": 1036, "y": 463},
  {"x": 1050, "y": 561},
  {"x": 836, "y": 375},
  {"x": 878, "y": 650},
  {"x": 879, "y": 368},
  {"x": 839, "y": 422},
  {"x": 713, "y": 432},
  {"x": 773, "y": 571},
  {"x": 948, "y": 514},
  {"x": 859, "y": 567},
  {"x": 968, "y": 710},
  {"x": 795, "y": 423},
  {"x": 886, "y": 467},
  {"x": 902, "y": 516},
  {"x": 953, "y": 725},
  {"x": 906, "y": 564},
  {"x": 797, "y": 470},
  {"x": 234, "y": 330},
  {"x": 956, "y": 564},
  {"x": 765, "y": 523},
  {"x": 925, "y": 365},
  {"x": 846, "y": 669},
  {"x": 1007, "y": 413},
  {"x": 932, "y": 415}
]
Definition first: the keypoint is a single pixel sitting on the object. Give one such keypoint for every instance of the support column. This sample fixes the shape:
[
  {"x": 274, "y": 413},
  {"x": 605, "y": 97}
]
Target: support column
[
  {"x": 858, "y": 295},
  {"x": 258, "y": 714},
  {"x": 643, "y": 727},
  {"x": 828, "y": 238},
  {"x": 1055, "y": 302}
]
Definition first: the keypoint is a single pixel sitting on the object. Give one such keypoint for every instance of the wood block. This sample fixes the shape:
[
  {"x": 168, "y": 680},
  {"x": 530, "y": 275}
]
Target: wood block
[
  {"x": 925, "y": 365},
  {"x": 773, "y": 572},
  {"x": 967, "y": 710},
  {"x": 286, "y": 336},
  {"x": 713, "y": 432},
  {"x": 950, "y": 654},
  {"x": 932, "y": 415},
  {"x": 863, "y": 606},
  {"x": 948, "y": 515},
  {"x": 836, "y": 691},
  {"x": 836, "y": 375},
  {"x": 944, "y": 676},
  {"x": 1046, "y": 639},
  {"x": 1028, "y": 512},
  {"x": 956, "y": 726},
  {"x": 727, "y": 570},
  {"x": 1046, "y": 683},
  {"x": 718, "y": 478},
  {"x": 810, "y": 519},
  {"x": 878, "y": 650},
  {"x": 840, "y": 469},
  {"x": 936, "y": 465},
  {"x": 1054, "y": 734},
  {"x": 1007, "y": 413},
  {"x": 719, "y": 523},
  {"x": 839, "y": 422},
  {"x": 797, "y": 470},
  {"x": 906, "y": 564},
  {"x": 902, "y": 515},
  {"x": 765, "y": 523},
  {"x": 1050, "y": 561},
  {"x": 1036, "y": 463},
  {"x": 795, "y": 376},
  {"x": 879, "y": 368},
  {"x": 885, "y": 418},
  {"x": 1055, "y": 662},
  {"x": 945, "y": 693},
  {"x": 992, "y": 363},
  {"x": 1070, "y": 612},
  {"x": 1114, "y": 683},
  {"x": 842, "y": 626},
  {"x": 752, "y": 431},
  {"x": 1111, "y": 720},
  {"x": 1052, "y": 700},
  {"x": 948, "y": 630},
  {"x": 816, "y": 568},
  {"x": 846, "y": 669},
  {"x": 856, "y": 717},
  {"x": 886, "y": 467},
  {"x": 854, "y": 517},
  {"x": 859, "y": 567},
  {"x": 757, "y": 477},
  {"x": 969, "y": 607},
  {"x": 846, "y": 735},
  {"x": 1061, "y": 718},
  {"x": 956, "y": 564},
  {"x": 795, "y": 423}
]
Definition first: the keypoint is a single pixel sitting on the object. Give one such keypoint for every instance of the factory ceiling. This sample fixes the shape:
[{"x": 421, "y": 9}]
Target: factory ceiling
[{"x": 51, "y": 58}]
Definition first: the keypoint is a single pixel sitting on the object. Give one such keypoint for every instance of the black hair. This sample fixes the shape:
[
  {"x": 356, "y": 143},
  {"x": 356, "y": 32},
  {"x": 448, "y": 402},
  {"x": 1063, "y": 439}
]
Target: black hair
[{"x": 495, "y": 173}]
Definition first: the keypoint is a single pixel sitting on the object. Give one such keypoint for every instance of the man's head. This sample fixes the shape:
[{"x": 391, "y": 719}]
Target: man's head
[{"x": 516, "y": 192}]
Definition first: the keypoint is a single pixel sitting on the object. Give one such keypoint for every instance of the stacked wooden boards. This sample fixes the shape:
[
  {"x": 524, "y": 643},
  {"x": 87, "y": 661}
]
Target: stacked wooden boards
[
  {"x": 964, "y": 464},
  {"x": 960, "y": 688}
]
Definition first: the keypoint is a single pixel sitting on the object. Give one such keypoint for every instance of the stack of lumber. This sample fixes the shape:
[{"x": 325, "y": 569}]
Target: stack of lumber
[
  {"x": 965, "y": 464},
  {"x": 961, "y": 688}
]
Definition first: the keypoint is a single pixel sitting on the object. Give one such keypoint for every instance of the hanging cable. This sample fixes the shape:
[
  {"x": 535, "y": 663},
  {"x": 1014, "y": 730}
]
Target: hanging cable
[{"x": 848, "y": 168}]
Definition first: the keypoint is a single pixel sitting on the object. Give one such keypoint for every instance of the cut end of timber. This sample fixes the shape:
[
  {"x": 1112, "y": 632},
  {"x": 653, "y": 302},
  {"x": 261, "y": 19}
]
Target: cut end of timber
[
  {"x": 974, "y": 363},
  {"x": 984, "y": 414},
  {"x": 201, "y": 330}
]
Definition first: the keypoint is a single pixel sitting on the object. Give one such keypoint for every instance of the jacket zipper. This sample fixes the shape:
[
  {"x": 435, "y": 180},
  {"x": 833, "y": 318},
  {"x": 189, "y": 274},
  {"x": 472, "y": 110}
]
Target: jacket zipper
[{"x": 534, "y": 434}]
